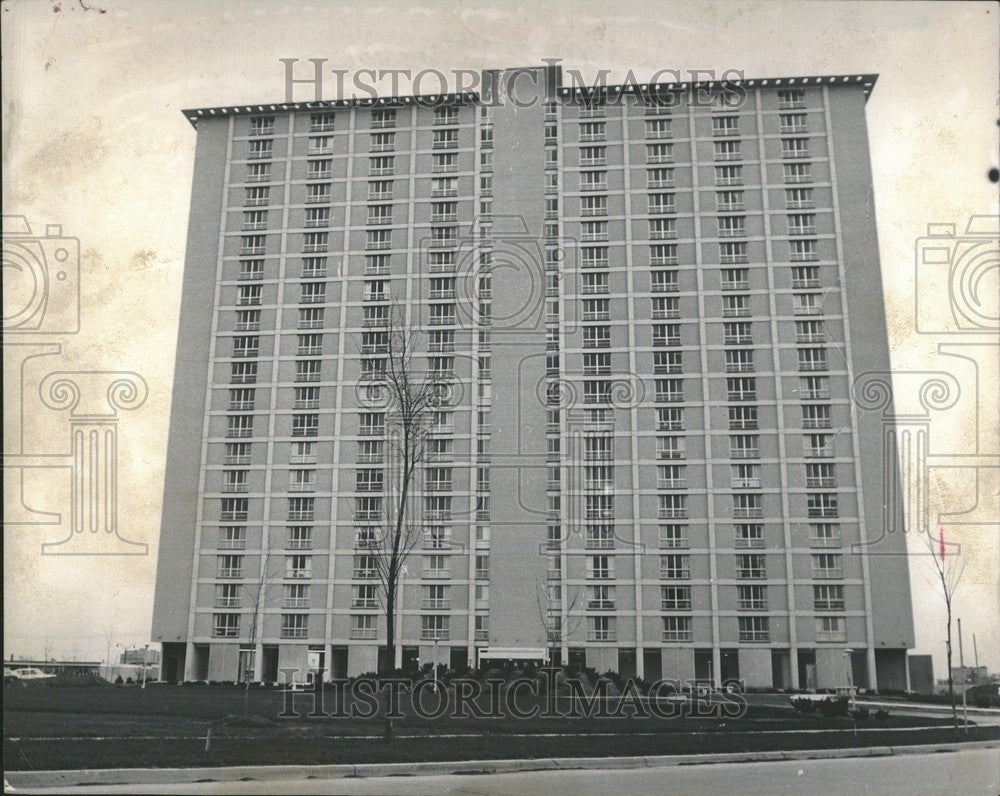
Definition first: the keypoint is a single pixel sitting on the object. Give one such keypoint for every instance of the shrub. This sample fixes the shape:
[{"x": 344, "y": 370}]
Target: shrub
[
  {"x": 834, "y": 706},
  {"x": 881, "y": 715},
  {"x": 860, "y": 714}
]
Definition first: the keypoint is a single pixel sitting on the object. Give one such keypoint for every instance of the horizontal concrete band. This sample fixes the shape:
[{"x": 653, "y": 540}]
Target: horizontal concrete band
[{"x": 173, "y": 776}]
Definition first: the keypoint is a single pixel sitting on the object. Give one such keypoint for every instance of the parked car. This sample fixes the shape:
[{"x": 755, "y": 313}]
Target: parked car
[{"x": 27, "y": 673}]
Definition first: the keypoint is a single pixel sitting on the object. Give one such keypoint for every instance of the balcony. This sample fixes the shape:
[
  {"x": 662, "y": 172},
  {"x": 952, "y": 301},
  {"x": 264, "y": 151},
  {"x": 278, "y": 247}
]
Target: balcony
[
  {"x": 253, "y": 226},
  {"x": 260, "y": 154},
  {"x": 746, "y": 483},
  {"x": 675, "y": 573},
  {"x": 594, "y": 186},
  {"x": 299, "y": 544},
  {"x": 443, "y": 168},
  {"x": 670, "y": 425},
  {"x": 744, "y": 453},
  {"x": 307, "y": 377},
  {"x": 738, "y": 340},
  {"x": 309, "y": 350},
  {"x": 240, "y": 406},
  {"x": 805, "y": 230},
  {"x": 314, "y": 223},
  {"x": 302, "y": 486},
  {"x": 828, "y": 573},
  {"x": 751, "y": 573},
  {"x": 747, "y": 513},
  {"x": 228, "y": 602},
  {"x": 434, "y": 634},
  {"x": 250, "y": 250},
  {"x": 435, "y": 574},
  {"x": 729, "y": 207},
  {"x": 794, "y": 153},
  {"x": 735, "y": 285},
  {"x": 229, "y": 573},
  {"x": 315, "y": 248},
  {"x": 295, "y": 602},
  {"x": 676, "y": 635},
  {"x": 728, "y": 181},
  {"x": 591, "y": 162},
  {"x": 739, "y": 367},
  {"x": 363, "y": 632},
  {"x": 672, "y": 513},
  {"x": 364, "y": 573},
  {"x": 821, "y": 482},
  {"x": 435, "y": 605},
  {"x": 816, "y": 422},
  {"x": 798, "y": 178},
  {"x": 749, "y": 542},
  {"x": 317, "y": 198},
  {"x": 671, "y": 483},
  {"x": 262, "y": 130},
  {"x": 238, "y": 433},
  {"x": 734, "y": 259},
  {"x": 320, "y": 175},
  {"x": 440, "y": 193},
  {"x": 735, "y": 312},
  {"x": 813, "y": 366}
]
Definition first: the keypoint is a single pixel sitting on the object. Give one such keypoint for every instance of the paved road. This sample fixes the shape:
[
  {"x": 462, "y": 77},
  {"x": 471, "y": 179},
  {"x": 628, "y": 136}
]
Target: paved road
[{"x": 969, "y": 772}]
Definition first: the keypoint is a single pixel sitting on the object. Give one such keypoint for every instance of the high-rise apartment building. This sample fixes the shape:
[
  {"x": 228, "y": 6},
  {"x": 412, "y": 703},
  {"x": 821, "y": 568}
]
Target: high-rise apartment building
[{"x": 649, "y": 304}]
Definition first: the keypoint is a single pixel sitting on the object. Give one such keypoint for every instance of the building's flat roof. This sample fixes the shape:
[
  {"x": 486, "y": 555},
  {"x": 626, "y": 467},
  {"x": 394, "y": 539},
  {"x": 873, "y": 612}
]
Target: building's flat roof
[{"x": 866, "y": 81}]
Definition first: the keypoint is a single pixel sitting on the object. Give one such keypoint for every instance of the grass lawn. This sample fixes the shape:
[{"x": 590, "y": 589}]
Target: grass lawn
[{"x": 56, "y": 727}]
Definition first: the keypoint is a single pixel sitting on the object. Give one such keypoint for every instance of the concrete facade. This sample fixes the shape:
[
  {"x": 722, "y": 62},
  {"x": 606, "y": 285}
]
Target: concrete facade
[{"x": 649, "y": 306}]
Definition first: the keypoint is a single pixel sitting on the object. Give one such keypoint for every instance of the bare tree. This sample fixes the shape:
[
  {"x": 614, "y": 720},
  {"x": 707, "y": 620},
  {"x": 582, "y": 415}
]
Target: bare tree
[
  {"x": 550, "y": 612},
  {"x": 409, "y": 398},
  {"x": 950, "y": 569},
  {"x": 256, "y": 594}
]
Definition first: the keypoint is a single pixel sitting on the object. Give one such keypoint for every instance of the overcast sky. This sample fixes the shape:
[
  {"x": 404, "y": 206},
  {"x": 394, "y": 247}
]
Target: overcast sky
[{"x": 93, "y": 139}]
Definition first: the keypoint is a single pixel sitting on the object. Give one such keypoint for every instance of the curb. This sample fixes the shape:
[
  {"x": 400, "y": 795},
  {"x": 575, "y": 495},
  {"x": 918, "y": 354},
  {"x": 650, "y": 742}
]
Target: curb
[{"x": 177, "y": 776}]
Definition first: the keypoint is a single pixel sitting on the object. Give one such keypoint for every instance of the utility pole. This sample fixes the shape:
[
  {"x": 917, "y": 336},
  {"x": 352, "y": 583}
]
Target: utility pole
[
  {"x": 144, "y": 651},
  {"x": 975, "y": 655},
  {"x": 965, "y": 678}
]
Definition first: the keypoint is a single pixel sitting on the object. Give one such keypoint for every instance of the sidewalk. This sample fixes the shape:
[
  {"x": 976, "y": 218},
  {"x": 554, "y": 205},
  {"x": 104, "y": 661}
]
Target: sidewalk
[{"x": 174, "y": 776}]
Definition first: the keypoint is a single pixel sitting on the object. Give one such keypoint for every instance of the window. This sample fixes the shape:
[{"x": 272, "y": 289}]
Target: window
[
  {"x": 831, "y": 628},
  {"x": 795, "y": 147},
  {"x": 302, "y": 509},
  {"x": 750, "y": 566},
  {"x": 384, "y": 117},
  {"x": 299, "y": 537},
  {"x": 321, "y": 122},
  {"x": 659, "y": 153},
  {"x": 318, "y": 192},
  {"x": 662, "y": 228},
  {"x": 754, "y": 628},
  {"x": 727, "y": 150},
  {"x": 789, "y": 99},
  {"x": 739, "y": 360},
  {"x": 226, "y": 625},
  {"x": 669, "y": 419},
  {"x": 824, "y": 534},
  {"x": 227, "y": 595},
  {"x": 298, "y": 566},
  {"x": 294, "y": 625},
  {"x": 749, "y": 535},
  {"x": 728, "y": 175},
  {"x": 661, "y": 203},
  {"x": 660, "y": 178},
  {"x": 725, "y": 125},
  {"x": 434, "y": 627},
  {"x": 593, "y": 180},
  {"x": 677, "y": 628},
  {"x": 675, "y": 567},
  {"x": 593, "y": 156},
  {"x": 796, "y": 172},
  {"x": 383, "y": 142},
  {"x": 444, "y": 116},
  {"x": 601, "y": 628},
  {"x": 261, "y": 125},
  {"x": 752, "y": 598},
  {"x": 657, "y": 128},
  {"x": 675, "y": 598},
  {"x": 742, "y": 418},
  {"x": 364, "y": 626},
  {"x": 600, "y": 567},
  {"x": 828, "y": 598},
  {"x": 747, "y": 506},
  {"x": 744, "y": 446},
  {"x": 305, "y": 425},
  {"x": 733, "y": 252},
  {"x": 229, "y": 566},
  {"x": 827, "y": 565}
]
